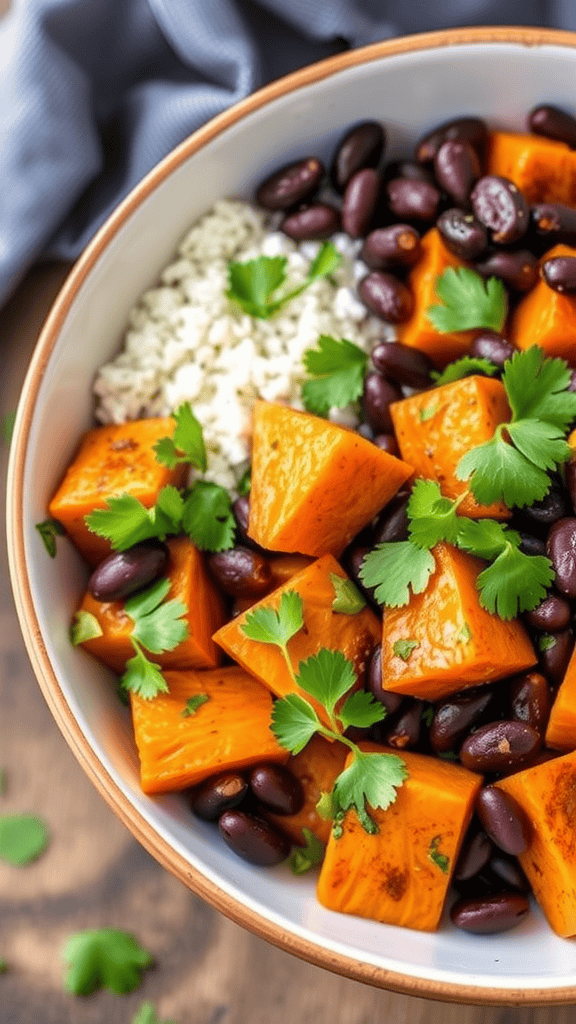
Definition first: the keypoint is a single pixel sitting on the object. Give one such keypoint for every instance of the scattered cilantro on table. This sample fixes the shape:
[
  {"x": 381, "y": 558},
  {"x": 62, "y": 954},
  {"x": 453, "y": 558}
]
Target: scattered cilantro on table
[
  {"x": 3, "y": 781},
  {"x": 158, "y": 627},
  {"x": 23, "y": 837},
  {"x": 255, "y": 284},
  {"x": 3, "y": 965},
  {"x": 7, "y": 426},
  {"x": 104, "y": 958},
  {"x": 327, "y": 677},
  {"x": 147, "y": 1015},
  {"x": 338, "y": 367},
  {"x": 468, "y": 301},
  {"x": 49, "y": 529}
]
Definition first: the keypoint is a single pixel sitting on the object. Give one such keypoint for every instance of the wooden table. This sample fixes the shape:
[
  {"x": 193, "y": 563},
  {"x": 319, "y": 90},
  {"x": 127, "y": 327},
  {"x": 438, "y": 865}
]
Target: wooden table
[{"x": 94, "y": 874}]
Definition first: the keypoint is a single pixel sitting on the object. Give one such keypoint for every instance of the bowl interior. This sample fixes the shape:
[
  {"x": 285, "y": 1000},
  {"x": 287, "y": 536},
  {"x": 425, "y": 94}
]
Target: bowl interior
[{"x": 409, "y": 92}]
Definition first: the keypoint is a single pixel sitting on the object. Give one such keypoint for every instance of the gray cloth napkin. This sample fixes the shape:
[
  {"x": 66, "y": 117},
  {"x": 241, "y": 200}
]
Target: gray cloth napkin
[{"x": 94, "y": 92}]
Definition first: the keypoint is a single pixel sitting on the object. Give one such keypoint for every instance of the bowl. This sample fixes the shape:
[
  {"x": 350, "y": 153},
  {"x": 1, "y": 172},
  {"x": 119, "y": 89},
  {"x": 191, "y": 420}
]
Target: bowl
[{"x": 409, "y": 84}]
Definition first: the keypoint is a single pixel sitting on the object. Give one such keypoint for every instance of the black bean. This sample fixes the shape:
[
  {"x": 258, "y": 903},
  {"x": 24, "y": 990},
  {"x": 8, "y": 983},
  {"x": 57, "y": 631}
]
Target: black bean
[
  {"x": 552, "y": 223},
  {"x": 555, "y": 653},
  {"x": 313, "y": 222},
  {"x": 241, "y": 511},
  {"x": 572, "y": 384},
  {"x": 253, "y": 839},
  {"x": 290, "y": 185},
  {"x": 220, "y": 793},
  {"x": 404, "y": 732},
  {"x": 475, "y": 854},
  {"x": 501, "y": 207},
  {"x": 454, "y": 717},
  {"x": 559, "y": 273},
  {"x": 125, "y": 572},
  {"x": 499, "y": 746},
  {"x": 362, "y": 146},
  {"x": 386, "y": 297},
  {"x": 392, "y": 523},
  {"x": 489, "y": 345},
  {"x": 360, "y": 201},
  {"x": 240, "y": 572},
  {"x": 509, "y": 871},
  {"x": 553, "y": 123},
  {"x": 518, "y": 270},
  {"x": 550, "y": 509},
  {"x": 460, "y": 129},
  {"x": 403, "y": 364},
  {"x": 530, "y": 700},
  {"x": 277, "y": 788},
  {"x": 387, "y": 443},
  {"x": 463, "y": 235},
  {"x": 551, "y": 615},
  {"x": 390, "y": 701},
  {"x": 407, "y": 169},
  {"x": 392, "y": 248},
  {"x": 503, "y": 820},
  {"x": 413, "y": 200},
  {"x": 561, "y": 550},
  {"x": 377, "y": 398},
  {"x": 490, "y": 914},
  {"x": 457, "y": 167},
  {"x": 365, "y": 430},
  {"x": 531, "y": 545}
]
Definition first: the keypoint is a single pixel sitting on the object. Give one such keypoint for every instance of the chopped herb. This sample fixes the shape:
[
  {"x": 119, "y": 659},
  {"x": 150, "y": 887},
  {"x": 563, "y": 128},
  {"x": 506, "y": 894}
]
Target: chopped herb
[
  {"x": 403, "y": 648},
  {"x": 254, "y": 284},
  {"x": 49, "y": 530},
  {"x": 303, "y": 858},
  {"x": 427, "y": 716},
  {"x": 158, "y": 626},
  {"x": 464, "y": 635},
  {"x": 147, "y": 1015},
  {"x": 394, "y": 567},
  {"x": 187, "y": 444},
  {"x": 463, "y": 367},
  {"x": 85, "y": 626},
  {"x": 339, "y": 367},
  {"x": 104, "y": 958},
  {"x": 546, "y": 642},
  {"x": 3, "y": 965},
  {"x": 429, "y": 412},
  {"x": 3, "y": 781},
  {"x": 193, "y": 703},
  {"x": 439, "y": 859},
  {"x": 23, "y": 837},
  {"x": 468, "y": 301},
  {"x": 348, "y": 600},
  {"x": 245, "y": 483},
  {"x": 208, "y": 518}
]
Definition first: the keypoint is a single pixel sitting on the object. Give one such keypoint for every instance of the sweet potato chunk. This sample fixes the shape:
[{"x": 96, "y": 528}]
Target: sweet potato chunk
[
  {"x": 547, "y": 793},
  {"x": 544, "y": 170},
  {"x": 561, "y": 729},
  {"x": 317, "y": 767},
  {"x": 314, "y": 484},
  {"x": 546, "y": 318},
  {"x": 444, "y": 641},
  {"x": 230, "y": 730},
  {"x": 418, "y": 331},
  {"x": 401, "y": 875},
  {"x": 354, "y": 635},
  {"x": 434, "y": 429},
  {"x": 191, "y": 584},
  {"x": 111, "y": 460}
]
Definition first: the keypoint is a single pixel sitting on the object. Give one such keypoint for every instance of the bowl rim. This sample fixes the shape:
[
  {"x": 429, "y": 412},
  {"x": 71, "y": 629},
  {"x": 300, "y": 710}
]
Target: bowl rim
[{"x": 159, "y": 848}]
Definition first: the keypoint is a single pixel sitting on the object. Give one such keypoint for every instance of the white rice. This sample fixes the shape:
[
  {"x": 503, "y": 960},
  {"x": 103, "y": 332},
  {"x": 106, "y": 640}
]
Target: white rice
[{"x": 187, "y": 342}]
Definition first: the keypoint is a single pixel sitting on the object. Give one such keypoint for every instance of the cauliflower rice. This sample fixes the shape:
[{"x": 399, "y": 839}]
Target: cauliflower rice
[{"x": 186, "y": 341}]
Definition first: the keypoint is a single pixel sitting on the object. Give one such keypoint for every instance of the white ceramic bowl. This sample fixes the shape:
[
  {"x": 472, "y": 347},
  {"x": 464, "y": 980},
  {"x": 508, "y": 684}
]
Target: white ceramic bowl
[{"x": 410, "y": 85}]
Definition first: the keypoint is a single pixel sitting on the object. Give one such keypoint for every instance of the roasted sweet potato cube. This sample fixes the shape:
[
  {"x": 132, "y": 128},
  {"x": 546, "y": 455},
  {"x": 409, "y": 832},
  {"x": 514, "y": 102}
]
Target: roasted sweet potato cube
[
  {"x": 354, "y": 635},
  {"x": 547, "y": 794},
  {"x": 317, "y": 767},
  {"x": 434, "y": 429},
  {"x": 315, "y": 485},
  {"x": 419, "y": 332},
  {"x": 401, "y": 875},
  {"x": 543, "y": 169},
  {"x": 546, "y": 318},
  {"x": 231, "y": 730},
  {"x": 191, "y": 584},
  {"x": 443, "y": 640},
  {"x": 561, "y": 728},
  {"x": 111, "y": 460}
]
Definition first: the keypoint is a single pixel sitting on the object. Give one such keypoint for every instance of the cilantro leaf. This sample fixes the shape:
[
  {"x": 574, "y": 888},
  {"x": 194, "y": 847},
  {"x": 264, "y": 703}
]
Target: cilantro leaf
[
  {"x": 468, "y": 301},
  {"x": 3, "y": 965},
  {"x": 515, "y": 582},
  {"x": 208, "y": 518},
  {"x": 339, "y": 367},
  {"x": 104, "y": 958},
  {"x": 395, "y": 566},
  {"x": 536, "y": 388},
  {"x": 432, "y": 517},
  {"x": 193, "y": 703},
  {"x": 49, "y": 530},
  {"x": 23, "y": 837},
  {"x": 403, "y": 648},
  {"x": 361, "y": 710},
  {"x": 327, "y": 676},
  {"x": 325, "y": 262},
  {"x": 269, "y": 626},
  {"x": 187, "y": 443},
  {"x": 244, "y": 484},
  {"x": 142, "y": 676},
  {"x": 303, "y": 858},
  {"x": 463, "y": 368},
  {"x": 347, "y": 600},
  {"x": 3, "y": 781},
  {"x": 439, "y": 859},
  {"x": 126, "y": 521},
  {"x": 294, "y": 722},
  {"x": 157, "y": 626},
  {"x": 499, "y": 472},
  {"x": 253, "y": 284},
  {"x": 369, "y": 778},
  {"x": 485, "y": 538},
  {"x": 541, "y": 443},
  {"x": 147, "y": 1015},
  {"x": 85, "y": 626}
]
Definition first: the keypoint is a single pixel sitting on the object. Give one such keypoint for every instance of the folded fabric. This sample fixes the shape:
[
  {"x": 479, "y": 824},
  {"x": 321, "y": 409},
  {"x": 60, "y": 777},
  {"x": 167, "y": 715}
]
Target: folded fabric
[{"x": 94, "y": 92}]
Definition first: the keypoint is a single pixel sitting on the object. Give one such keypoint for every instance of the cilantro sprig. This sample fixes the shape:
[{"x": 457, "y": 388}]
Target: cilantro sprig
[
  {"x": 186, "y": 445},
  {"x": 338, "y": 367},
  {"x": 23, "y": 837},
  {"x": 328, "y": 677},
  {"x": 255, "y": 284},
  {"x": 158, "y": 627},
  {"x": 463, "y": 367},
  {"x": 104, "y": 958},
  {"x": 468, "y": 301}
]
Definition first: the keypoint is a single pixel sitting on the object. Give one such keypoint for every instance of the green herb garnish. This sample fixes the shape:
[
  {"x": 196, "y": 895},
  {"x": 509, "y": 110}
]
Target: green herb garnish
[
  {"x": 207, "y": 517},
  {"x": 187, "y": 444},
  {"x": 147, "y": 1015},
  {"x": 463, "y": 367},
  {"x": 23, "y": 837},
  {"x": 158, "y": 627},
  {"x": 85, "y": 626},
  {"x": 347, "y": 598},
  {"x": 339, "y": 367},
  {"x": 49, "y": 530},
  {"x": 403, "y": 648},
  {"x": 439, "y": 859},
  {"x": 254, "y": 284},
  {"x": 104, "y": 958},
  {"x": 469, "y": 301},
  {"x": 126, "y": 521},
  {"x": 303, "y": 858},
  {"x": 193, "y": 703}
]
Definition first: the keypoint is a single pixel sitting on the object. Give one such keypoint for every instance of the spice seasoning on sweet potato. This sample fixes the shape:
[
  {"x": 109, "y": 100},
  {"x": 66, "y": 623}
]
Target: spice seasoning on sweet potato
[
  {"x": 191, "y": 584},
  {"x": 111, "y": 460},
  {"x": 435, "y": 428},
  {"x": 354, "y": 635},
  {"x": 231, "y": 729},
  {"x": 542, "y": 169},
  {"x": 419, "y": 332},
  {"x": 315, "y": 485},
  {"x": 317, "y": 768},
  {"x": 545, "y": 317},
  {"x": 547, "y": 794},
  {"x": 401, "y": 875},
  {"x": 443, "y": 641}
]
